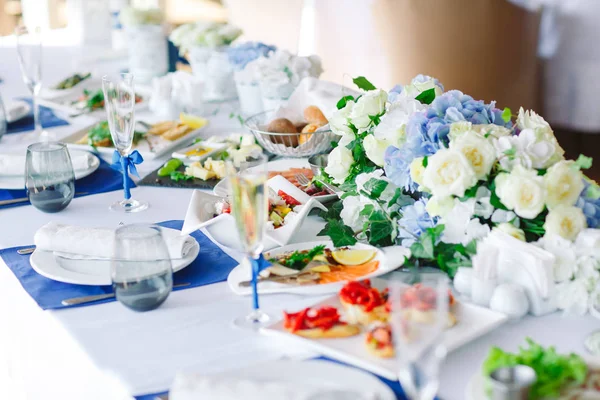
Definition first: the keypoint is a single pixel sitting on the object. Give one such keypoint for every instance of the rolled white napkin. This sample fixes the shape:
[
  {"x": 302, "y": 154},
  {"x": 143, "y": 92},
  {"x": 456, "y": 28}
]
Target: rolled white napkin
[
  {"x": 79, "y": 242},
  {"x": 14, "y": 164}
]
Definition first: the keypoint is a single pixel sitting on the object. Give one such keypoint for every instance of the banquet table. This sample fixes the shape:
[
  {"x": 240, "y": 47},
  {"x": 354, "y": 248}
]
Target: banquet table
[{"x": 106, "y": 351}]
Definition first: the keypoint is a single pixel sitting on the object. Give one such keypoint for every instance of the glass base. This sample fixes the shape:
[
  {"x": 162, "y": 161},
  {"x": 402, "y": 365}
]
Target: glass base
[
  {"x": 254, "y": 321},
  {"x": 129, "y": 206}
]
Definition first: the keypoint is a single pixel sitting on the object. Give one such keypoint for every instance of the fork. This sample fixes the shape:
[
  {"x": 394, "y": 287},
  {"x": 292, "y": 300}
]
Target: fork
[{"x": 304, "y": 181}]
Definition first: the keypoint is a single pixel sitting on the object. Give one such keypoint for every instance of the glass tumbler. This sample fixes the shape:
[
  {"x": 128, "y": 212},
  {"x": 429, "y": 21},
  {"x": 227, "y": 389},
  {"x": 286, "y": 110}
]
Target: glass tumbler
[
  {"x": 49, "y": 176},
  {"x": 141, "y": 269}
]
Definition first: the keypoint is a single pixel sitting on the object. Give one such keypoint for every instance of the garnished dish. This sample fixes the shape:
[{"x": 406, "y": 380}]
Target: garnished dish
[
  {"x": 364, "y": 304},
  {"x": 71, "y": 81},
  {"x": 99, "y": 136},
  {"x": 379, "y": 340},
  {"x": 313, "y": 120},
  {"x": 314, "y": 189},
  {"x": 92, "y": 100},
  {"x": 319, "y": 323},
  {"x": 420, "y": 302}
]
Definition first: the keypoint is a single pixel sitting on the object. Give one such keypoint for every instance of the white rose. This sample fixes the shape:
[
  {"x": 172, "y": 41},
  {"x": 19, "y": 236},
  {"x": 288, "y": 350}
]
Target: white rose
[
  {"x": 511, "y": 230},
  {"x": 439, "y": 206},
  {"x": 530, "y": 120},
  {"x": 340, "y": 160},
  {"x": 350, "y": 214},
  {"x": 370, "y": 104},
  {"x": 572, "y": 297},
  {"x": 458, "y": 129},
  {"x": 491, "y": 130},
  {"x": 460, "y": 227},
  {"x": 478, "y": 150},
  {"x": 563, "y": 184},
  {"x": 500, "y": 216},
  {"x": 588, "y": 243},
  {"x": 587, "y": 269},
  {"x": 419, "y": 84},
  {"x": 448, "y": 172},
  {"x": 339, "y": 120},
  {"x": 565, "y": 221},
  {"x": 565, "y": 259},
  {"x": 522, "y": 191},
  {"x": 375, "y": 149},
  {"x": 416, "y": 171},
  {"x": 393, "y": 123}
]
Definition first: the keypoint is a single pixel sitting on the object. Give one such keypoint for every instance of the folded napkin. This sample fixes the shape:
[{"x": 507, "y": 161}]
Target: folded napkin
[
  {"x": 14, "y": 164},
  {"x": 16, "y": 110},
  {"x": 47, "y": 117},
  {"x": 79, "y": 242}
]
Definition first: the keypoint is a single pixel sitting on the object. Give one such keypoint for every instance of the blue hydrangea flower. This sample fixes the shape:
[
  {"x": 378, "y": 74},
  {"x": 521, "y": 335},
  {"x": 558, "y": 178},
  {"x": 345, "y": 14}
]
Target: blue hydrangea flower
[
  {"x": 427, "y": 131},
  {"x": 415, "y": 220},
  {"x": 240, "y": 56},
  {"x": 589, "y": 206}
]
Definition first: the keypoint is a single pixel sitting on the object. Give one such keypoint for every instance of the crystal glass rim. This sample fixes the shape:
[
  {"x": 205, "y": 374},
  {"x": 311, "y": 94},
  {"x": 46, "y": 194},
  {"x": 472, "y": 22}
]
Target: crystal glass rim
[
  {"x": 45, "y": 147},
  {"x": 126, "y": 76}
]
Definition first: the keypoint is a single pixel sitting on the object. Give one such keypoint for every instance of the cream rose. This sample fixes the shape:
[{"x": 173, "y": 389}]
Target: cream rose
[
  {"x": 369, "y": 104},
  {"x": 375, "y": 149},
  {"x": 339, "y": 120},
  {"x": 448, "y": 172},
  {"x": 416, "y": 170},
  {"x": 511, "y": 230},
  {"x": 565, "y": 221},
  {"x": 439, "y": 206},
  {"x": 563, "y": 184},
  {"x": 393, "y": 123},
  {"x": 478, "y": 150},
  {"x": 522, "y": 191},
  {"x": 340, "y": 160}
]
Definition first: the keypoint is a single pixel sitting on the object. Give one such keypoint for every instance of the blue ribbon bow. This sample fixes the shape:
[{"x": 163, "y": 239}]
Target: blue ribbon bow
[
  {"x": 257, "y": 265},
  {"x": 126, "y": 164}
]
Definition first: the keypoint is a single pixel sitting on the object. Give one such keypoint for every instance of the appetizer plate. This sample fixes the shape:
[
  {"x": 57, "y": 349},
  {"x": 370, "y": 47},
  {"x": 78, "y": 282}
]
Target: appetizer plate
[
  {"x": 18, "y": 182},
  {"x": 473, "y": 321},
  {"x": 149, "y": 148},
  {"x": 278, "y": 165},
  {"x": 388, "y": 261},
  {"x": 89, "y": 272},
  {"x": 209, "y": 148},
  {"x": 15, "y": 110},
  {"x": 322, "y": 377},
  {"x": 50, "y": 93},
  {"x": 201, "y": 214}
]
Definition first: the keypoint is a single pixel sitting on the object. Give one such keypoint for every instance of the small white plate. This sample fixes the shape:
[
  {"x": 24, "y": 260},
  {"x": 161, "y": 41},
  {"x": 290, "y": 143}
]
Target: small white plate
[
  {"x": 18, "y": 182},
  {"x": 50, "y": 93},
  {"x": 388, "y": 261},
  {"x": 15, "y": 110},
  {"x": 212, "y": 147},
  {"x": 222, "y": 190},
  {"x": 473, "y": 321},
  {"x": 89, "y": 272},
  {"x": 323, "y": 376}
]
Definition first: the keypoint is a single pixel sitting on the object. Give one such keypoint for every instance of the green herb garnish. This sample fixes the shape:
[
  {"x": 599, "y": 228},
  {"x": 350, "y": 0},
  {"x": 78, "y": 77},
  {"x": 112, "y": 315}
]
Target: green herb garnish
[
  {"x": 99, "y": 135},
  {"x": 180, "y": 176},
  {"x": 300, "y": 259}
]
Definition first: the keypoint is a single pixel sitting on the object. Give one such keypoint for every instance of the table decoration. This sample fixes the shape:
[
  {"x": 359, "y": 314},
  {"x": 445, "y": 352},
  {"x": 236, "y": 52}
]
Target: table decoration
[
  {"x": 146, "y": 42},
  {"x": 206, "y": 46},
  {"x": 212, "y": 265},
  {"x": 472, "y": 169}
]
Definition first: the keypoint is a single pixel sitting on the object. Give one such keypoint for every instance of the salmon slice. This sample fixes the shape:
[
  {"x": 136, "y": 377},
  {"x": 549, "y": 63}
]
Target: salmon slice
[{"x": 348, "y": 273}]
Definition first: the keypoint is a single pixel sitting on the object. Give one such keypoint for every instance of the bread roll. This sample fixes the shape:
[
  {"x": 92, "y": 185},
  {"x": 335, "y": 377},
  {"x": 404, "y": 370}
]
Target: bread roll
[
  {"x": 382, "y": 352},
  {"x": 337, "y": 331},
  {"x": 281, "y": 125},
  {"x": 161, "y": 127},
  {"x": 314, "y": 115},
  {"x": 176, "y": 132}
]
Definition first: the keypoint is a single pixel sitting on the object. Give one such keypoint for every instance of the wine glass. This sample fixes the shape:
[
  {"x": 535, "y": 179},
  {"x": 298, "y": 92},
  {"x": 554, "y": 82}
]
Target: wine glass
[
  {"x": 29, "y": 54},
  {"x": 249, "y": 205},
  {"x": 141, "y": 269},
  {"x": 419, "y": 316},
  {"x": 119, "y": 101}
]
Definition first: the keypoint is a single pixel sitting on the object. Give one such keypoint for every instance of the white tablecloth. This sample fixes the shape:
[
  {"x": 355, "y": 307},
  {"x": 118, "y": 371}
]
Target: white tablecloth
[{"x": 109, "y": 352}]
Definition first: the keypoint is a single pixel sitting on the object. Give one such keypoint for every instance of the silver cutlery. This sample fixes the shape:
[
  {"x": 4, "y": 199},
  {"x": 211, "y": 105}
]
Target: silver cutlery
[
  {"x": 26, "y": 251},
  {"x": 304, "y": 181},
  {"x": 88, "y": 299},
  {"x": 26, "y": 199}
]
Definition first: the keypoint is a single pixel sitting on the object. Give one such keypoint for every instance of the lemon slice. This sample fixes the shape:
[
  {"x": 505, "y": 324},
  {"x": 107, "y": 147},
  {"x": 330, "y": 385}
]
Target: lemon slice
[
  {"x": 192, "y": 121},
  {"x": 353, "y": 257}
]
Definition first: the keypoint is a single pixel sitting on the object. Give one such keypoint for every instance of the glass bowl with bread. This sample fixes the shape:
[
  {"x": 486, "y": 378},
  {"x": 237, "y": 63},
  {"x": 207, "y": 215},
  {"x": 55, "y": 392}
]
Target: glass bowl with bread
[{"x": 303, "y": 137}]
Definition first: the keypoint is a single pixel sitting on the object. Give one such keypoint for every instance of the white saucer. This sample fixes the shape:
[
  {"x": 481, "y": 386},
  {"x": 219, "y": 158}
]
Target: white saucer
[{"x": 89, "y": 272}]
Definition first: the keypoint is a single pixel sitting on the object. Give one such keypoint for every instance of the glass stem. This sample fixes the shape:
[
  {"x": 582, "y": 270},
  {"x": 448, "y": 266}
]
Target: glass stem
[
  {"x": 36, "y": 113},
  {"x": 126, "y": 191},
  {"x": 254, "y": 266}
]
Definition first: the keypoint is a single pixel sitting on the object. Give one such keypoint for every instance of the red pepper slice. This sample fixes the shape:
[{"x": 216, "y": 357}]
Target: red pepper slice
[{"x": 289, "y": 200}]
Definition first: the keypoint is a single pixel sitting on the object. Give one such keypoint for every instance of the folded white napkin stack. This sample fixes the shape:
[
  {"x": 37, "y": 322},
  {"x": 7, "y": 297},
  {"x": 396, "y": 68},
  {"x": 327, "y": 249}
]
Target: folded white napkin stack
[
  {"x": 14, "y": 164},
  {"x": 79, "y": 242},
  {"x": 174, "y": 93}
]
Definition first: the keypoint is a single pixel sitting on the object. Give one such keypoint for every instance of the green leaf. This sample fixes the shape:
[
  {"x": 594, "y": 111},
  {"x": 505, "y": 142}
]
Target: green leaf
[
  {"x": 375, "y": 187},
  {"x": 583, "y": 162},
  {"x": 495, "y": 201},
  {"x": 367, "y": 211},
  {"x": 333, "y": 211},
  {"x": 180, "y": 176},
  {"x": 427, "y": 96},
  {"x": 487, "y": 134},
  {"x": 593, "y": 192},
  {"x": 397, "y": 194},
  {"x": 340, "y": 234},
  {"x": 470, "y": 193},
  {"x": 510, "y": 152},
  {"x": 363, "y": 83},
  {"x": 343, "y": 101},
  {"x": 376, "y": 119},
  {"x": 348, "y": 186},
  {"x": 334, "y": 144},
  {"x": 380, "y": 228},
  {"x": 425, "y": 161},
  {"x": 506, "y": 115},
  {"x": 349, "y": 194}
]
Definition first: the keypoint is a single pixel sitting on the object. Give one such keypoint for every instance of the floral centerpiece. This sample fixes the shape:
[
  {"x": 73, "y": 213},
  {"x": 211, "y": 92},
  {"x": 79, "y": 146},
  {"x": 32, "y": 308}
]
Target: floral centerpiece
[
  {"x": 204, "y": 35},
  {"x": 437, "y": 171}
]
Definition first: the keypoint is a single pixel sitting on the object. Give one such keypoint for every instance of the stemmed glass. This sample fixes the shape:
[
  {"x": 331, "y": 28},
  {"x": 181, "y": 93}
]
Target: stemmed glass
[
  {"x": 249, "y": 206},
  {"x": 419, "y": 316},
  {"x": 29, "y": 54},
  {"x": 119, "y": 101}
]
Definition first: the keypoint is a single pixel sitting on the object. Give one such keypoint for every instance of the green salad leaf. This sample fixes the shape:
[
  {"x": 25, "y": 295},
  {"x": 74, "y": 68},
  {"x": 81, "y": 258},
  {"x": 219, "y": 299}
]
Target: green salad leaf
[
  {"x": 299, "y": 259},
  {"x": 554, "y": 371}
]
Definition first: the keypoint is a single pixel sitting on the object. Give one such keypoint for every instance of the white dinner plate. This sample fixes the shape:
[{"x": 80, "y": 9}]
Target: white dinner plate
[
  {"x": 18, "y": 182},
  {"x": 473, "y": 321},
  {"x": 89, "y": 272},
  {"x": 15, "y": 110},
  {"x": 221, "y": 188},
  {"x": 340, "y": 381},
  {"x": 388, "y": 261}
]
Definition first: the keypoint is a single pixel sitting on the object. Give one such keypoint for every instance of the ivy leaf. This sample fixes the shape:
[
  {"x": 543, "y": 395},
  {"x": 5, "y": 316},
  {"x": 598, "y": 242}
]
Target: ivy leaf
[
  {"x": 334, "y": 144},
  {"x": 472, "y": 192},
  {"x": 593, "y": 192},
  {"x": 375, "y": 187},
  {"x": 380, "y": 228},
  {"x": 376, "y": 119},
  {"x": 367, "y": 211},
  {"x": 425, "y": 162},
  {"x": 397, "y": 194},
  {"x": 333, "y": 211},
  {"x": 363, "y": 83},
  {"x": 583, "y": 162},
  {"x": 506, "y": 115},
  {"x": 340, "y": 234},
  {"x": 349, "y": 194},
  {"x": 343, "y": 101},
  {"x": 427, "y": 96},
  {"x": 495, "y": 201},
  {"x": 424, "y": 248}
]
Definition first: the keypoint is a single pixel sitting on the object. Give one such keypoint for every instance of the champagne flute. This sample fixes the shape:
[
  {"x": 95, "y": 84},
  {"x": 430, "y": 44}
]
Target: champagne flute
[
  {"x": 29, "y": 54},
  {"x": 249, "y": 206},
  {"x": 119, "y": 101},
  {"x": 419, "y": 316}
]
